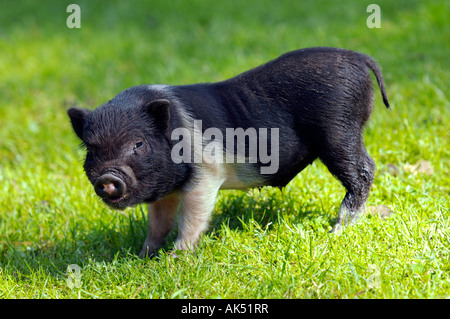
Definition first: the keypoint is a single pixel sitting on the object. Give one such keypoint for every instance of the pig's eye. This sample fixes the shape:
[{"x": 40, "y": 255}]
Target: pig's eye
[{"x": 138, "y": 145}]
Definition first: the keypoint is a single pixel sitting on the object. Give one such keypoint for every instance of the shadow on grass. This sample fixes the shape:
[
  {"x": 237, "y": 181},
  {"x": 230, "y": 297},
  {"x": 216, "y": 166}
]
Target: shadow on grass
[
  {"x": 124, "y": 235},
  {"x": 104, "y": 242},
  {"x": 269, "y": 206}
]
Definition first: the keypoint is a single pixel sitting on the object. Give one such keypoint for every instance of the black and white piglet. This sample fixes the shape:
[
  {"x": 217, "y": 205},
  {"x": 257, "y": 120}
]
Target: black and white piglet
[{"x": 175, "y": 147}]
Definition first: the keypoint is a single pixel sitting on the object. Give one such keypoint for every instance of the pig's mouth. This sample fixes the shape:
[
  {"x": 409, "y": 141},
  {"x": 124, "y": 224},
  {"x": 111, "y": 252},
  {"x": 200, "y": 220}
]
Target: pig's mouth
[
  {"x": 117, "y": 202},
  {"x": 115, "y": 199}
]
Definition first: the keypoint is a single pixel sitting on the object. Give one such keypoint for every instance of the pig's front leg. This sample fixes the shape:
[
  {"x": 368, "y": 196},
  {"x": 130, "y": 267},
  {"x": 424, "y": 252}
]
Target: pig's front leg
[
  {"x": 161, "y": 216},
  {"x": 195, "y": 211}
]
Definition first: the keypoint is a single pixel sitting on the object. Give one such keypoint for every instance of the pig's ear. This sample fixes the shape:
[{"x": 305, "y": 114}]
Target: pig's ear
[
  {"x": 78, "y": 118},
  {"x": 159, "y": 110}
]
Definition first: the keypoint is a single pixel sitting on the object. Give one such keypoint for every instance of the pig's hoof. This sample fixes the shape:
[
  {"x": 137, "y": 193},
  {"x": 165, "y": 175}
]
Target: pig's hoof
[
  {"x": 337, "y": 229},
  {"x": 173, "y": 254},
  {"x": 146, "y": 253}
]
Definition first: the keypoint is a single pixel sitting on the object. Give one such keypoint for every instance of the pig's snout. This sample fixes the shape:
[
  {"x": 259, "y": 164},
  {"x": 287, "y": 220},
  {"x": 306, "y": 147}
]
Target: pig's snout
[{"x": 110, "y": 187}]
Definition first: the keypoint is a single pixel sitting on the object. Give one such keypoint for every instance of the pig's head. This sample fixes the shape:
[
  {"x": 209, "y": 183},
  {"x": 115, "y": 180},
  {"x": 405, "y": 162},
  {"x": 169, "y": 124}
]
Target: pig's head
[{"x": 128, "y": 148}]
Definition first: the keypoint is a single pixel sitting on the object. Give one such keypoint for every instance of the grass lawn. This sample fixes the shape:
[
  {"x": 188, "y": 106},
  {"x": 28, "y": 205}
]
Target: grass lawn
[{"x": 261, "y": 244}]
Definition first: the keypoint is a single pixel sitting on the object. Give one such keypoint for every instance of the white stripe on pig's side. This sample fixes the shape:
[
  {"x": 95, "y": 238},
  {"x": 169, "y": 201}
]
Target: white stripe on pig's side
[{"x": 198, "y": 197}]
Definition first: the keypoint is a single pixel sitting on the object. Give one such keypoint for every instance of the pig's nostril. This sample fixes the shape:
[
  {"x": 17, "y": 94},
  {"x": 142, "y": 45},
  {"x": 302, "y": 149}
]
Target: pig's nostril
[{"x": 108, "y": 186}]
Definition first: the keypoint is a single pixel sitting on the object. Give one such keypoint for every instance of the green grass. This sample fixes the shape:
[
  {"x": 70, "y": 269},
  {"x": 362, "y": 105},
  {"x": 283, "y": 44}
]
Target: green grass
[{"x": 264, "y": 244}]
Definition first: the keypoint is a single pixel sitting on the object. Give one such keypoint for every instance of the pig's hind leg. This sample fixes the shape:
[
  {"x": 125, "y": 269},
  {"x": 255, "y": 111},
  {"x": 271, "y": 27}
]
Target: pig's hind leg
[{"x": 348, "y": 160}]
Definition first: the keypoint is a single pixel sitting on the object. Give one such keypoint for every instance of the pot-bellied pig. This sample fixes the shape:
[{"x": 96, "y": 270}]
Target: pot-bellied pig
[{"x": 175, "y": 147}]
